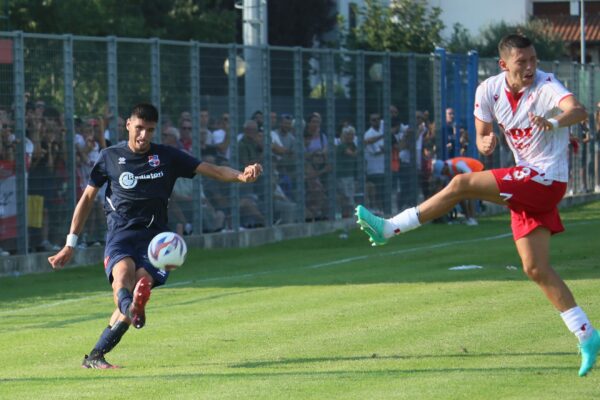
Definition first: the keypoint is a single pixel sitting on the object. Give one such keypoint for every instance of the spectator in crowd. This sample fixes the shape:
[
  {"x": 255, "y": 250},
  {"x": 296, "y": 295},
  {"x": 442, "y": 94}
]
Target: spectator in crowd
[
  {"x": 463, "y": 141},
  {"x": 8, "y": 201},
  {"x": 314, "y": 139},
  {"x": 597, "y": 153},
  {"x": 205, "y": 119},
  {"x": 316, "y": 167},
  {"x": 171, "y": 137},
  {"x": 286, "y": 165},
  {"x": 375, "y": 162},
  {"x": 394, "y": 113},
  {"x": 43, "y": 179},
  {"x": 258, "y": 117},
  {"x": 407, "y": 178},
  {"x": 425, "y": 150},
  {"x": 451, "y": 132},
  {"x": 181, "y": 202},
  {"x": 220, "y": 139},
  {"x": 347, "y": 164},
  {"x": 185, "y": 131},
  {"x": 250, "y": 147},
  {"x": 284, "y": 209},
  {"x": 274, "y": 120},
  {"x": 88, "y": 151},
  {"x": 584, "y": 168}
]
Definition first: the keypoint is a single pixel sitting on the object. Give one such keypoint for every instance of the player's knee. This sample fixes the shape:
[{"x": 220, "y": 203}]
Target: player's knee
[
  {"x": 533, "y": 272},
  {"x": 458, "y": 186}
]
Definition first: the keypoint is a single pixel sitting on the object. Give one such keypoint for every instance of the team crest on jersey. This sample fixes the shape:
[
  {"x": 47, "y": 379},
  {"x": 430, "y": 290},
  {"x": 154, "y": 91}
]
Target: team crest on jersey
[
  {"x": 153, "y": 160},
  {"x": 496, "y": 97}
]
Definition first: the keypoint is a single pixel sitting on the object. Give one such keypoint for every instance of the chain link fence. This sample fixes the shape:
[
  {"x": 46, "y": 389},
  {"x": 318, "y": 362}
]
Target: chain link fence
[{"x": 332, "y": 128}]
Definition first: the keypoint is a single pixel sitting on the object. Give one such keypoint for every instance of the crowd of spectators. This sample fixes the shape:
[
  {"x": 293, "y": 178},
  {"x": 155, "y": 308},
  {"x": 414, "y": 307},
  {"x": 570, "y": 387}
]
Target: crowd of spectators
[{"x": 412, "y": 152}]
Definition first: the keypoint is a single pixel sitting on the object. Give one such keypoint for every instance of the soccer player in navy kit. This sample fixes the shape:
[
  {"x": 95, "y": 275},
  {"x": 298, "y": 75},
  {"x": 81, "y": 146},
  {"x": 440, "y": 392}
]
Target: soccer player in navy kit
[{"x": 140, "y": 176}]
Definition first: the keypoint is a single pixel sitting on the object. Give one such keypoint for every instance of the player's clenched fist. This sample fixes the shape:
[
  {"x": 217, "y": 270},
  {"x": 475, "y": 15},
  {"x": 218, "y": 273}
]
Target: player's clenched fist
[
  {"x": 488, "y": 144},
  {"x": 251, "y": 173}
]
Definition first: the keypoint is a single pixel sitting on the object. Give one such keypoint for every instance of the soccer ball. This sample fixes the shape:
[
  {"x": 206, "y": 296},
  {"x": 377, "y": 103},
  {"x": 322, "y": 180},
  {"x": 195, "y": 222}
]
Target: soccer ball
[{"x": 167, "y": 251}]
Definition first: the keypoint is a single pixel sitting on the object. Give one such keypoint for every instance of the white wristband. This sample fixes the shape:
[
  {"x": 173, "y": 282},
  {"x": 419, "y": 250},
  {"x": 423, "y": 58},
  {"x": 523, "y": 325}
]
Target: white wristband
[
  {"x": 72, "y": 240},
  {"x": 554, "y": 122}
]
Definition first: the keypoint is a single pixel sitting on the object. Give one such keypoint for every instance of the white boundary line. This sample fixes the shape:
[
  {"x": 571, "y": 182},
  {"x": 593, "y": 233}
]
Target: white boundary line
[{"x": 255, "y": 274}]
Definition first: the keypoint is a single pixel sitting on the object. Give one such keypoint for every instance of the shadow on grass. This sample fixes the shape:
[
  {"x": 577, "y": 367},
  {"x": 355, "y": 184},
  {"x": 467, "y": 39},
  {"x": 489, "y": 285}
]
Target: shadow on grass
[
  {"x": 375, "y": 357},
  {"x": 122, "y": 374}
]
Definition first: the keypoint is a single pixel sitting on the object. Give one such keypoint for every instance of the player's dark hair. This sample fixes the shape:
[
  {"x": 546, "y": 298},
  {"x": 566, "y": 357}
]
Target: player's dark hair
[
  {"x": 145, "y": 111},
  {"x": 513, "y": 41}
]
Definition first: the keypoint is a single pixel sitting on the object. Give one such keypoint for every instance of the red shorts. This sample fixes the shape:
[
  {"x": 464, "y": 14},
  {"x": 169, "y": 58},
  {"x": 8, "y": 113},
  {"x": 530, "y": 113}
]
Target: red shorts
[{"x": 532, "y": 201}]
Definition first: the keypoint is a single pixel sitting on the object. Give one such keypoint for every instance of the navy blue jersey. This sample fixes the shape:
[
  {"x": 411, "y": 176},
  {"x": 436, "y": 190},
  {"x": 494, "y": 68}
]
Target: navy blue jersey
[{"x": 139, "y": 185}]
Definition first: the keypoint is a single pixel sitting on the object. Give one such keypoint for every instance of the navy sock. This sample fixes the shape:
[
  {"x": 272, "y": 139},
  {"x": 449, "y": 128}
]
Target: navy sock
[
  {"x": 109, "y": 338},
  {"x": 125, "y": 299}
]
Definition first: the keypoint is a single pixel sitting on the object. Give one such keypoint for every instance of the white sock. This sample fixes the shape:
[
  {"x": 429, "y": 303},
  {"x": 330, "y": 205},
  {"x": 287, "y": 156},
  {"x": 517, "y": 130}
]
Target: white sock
[
  {"x": 405, "y": 221},
  {"x": 577, "y": 322}
]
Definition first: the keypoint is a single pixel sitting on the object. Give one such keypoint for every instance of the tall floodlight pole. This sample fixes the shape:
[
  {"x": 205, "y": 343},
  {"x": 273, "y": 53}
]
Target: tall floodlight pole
[
  {"x": 255, "y": 37},
  {"x": 582, "y": 31}
]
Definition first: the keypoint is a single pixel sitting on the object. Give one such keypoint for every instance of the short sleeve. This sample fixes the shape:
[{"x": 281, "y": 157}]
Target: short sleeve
[
  {"x": 483, "y": 106},
  {"x": 553, "y": 91},
  {"x": 99, "y": 175},
  {"x": 185, "y": 164}
]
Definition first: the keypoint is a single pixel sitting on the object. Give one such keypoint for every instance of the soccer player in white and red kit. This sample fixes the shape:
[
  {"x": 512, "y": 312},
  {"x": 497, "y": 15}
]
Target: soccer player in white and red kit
[{"x": 533, "y": 109}]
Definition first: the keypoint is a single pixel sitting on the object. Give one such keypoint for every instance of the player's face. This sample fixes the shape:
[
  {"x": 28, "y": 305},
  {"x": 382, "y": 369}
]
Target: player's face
[
  {"x": 520, "y": 66},
  {"x": 140, "y": 134}
]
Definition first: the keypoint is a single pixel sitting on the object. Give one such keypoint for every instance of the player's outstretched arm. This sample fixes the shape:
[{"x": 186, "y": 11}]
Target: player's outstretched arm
[
  {"x": 226, "y": 174},
  {"x": 485, "y": 138},
  {"x": 573, "y": 112},
  {"x": 80, "y": 215}
]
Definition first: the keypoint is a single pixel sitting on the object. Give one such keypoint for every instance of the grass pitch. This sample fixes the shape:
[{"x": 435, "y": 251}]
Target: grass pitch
[{"x": 317, "y": 318}]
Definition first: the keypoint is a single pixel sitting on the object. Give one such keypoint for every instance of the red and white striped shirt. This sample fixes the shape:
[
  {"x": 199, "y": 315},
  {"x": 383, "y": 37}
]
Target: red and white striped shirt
[{"x": 544, "y": 151}]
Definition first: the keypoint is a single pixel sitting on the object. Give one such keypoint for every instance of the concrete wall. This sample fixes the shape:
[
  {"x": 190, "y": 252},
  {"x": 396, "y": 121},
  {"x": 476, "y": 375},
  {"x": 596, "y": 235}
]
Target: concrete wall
[{"x": 37, "y": 262}]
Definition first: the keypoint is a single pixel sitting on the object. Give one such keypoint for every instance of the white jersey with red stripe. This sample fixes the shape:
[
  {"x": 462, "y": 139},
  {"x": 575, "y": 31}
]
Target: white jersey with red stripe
[{"x": 544, "y": 151}]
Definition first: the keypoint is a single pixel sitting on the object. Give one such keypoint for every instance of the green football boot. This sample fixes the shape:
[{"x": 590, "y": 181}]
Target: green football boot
[
  {"x": 589, "y": 351},
  {"x": 372, "y": 225}
]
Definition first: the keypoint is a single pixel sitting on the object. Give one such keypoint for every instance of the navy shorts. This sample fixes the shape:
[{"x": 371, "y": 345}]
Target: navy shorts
[{"x": 132, "y": 242}]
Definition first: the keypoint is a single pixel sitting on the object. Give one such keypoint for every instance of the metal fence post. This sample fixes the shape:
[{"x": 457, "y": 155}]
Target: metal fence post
[
  {"x": 298, "y": 128},
  {"x": 360, "y": 126},
  {"x": 20, "y": 163},
  {"x": 472, "y": 83},
  {"x": 330, "y": 109},
  {"x": 387, "y": 136},
  {"x": 412, "y": 123},
  {"x": 575, "y": 158},
  {"x": 233, "y": 143},
  {"x": 113, "y": 84},
  {"x": 69, "y": 119},
  {"x": 155, "y": 82},
  {"x": 195, "y": 112},
  {"x": 440, "y": 103},
  {"x": 267, "y": 178}
]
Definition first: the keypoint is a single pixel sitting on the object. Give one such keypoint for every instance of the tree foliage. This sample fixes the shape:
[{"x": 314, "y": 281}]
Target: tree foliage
[
  {"x": 202, "y": 20},
  {"x": 460, "y": 40},
  {"x": 548, "y": 45},
  {"x": 403, "y": 26}
]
